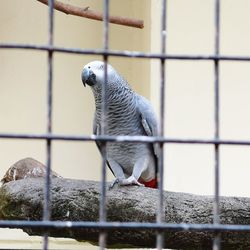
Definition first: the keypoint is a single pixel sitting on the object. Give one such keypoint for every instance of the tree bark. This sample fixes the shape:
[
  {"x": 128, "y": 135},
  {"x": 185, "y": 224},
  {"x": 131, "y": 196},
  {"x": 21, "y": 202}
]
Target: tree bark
[{"x": 78, "y": 200}]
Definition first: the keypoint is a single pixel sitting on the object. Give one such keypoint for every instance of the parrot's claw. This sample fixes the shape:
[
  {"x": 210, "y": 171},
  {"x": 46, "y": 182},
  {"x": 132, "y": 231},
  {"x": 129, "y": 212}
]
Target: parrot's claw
[
  {"x": 116, "y": 181},
  {"x": 130, "y": 181},
  {"x": 126, "y": 182}
]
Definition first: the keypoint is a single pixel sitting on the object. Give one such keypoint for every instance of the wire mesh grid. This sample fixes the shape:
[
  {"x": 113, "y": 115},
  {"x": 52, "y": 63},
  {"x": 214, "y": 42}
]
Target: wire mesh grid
[{"x": 103, "y": 226}]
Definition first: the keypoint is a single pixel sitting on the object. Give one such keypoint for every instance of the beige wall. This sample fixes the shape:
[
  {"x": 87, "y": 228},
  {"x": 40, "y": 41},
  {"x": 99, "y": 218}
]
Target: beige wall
[
  {"x": 23, "y": 82},
  {"x": 189, "y": 89},
  {"x": 189, "y": 105}
]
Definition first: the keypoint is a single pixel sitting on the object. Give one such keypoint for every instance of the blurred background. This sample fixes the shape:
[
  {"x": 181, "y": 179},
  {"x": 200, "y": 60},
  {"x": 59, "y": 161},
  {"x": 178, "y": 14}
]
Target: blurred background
[{"x": 189, "y": 90}]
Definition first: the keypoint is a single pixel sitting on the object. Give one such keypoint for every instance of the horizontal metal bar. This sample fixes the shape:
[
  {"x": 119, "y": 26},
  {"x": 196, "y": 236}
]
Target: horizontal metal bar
[
  {"x": 122, "y": 138},
  {"x": 134, "y": 54},
  {"x": 123, "y": 226}
]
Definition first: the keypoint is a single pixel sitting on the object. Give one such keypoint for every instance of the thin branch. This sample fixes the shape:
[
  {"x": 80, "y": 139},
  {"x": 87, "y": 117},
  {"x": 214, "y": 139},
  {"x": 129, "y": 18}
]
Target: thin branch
[{"x": 96, "y": 15}]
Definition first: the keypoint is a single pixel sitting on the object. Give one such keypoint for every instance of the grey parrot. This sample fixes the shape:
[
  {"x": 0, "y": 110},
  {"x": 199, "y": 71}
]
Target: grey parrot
[{"x": 127, "y": 114}]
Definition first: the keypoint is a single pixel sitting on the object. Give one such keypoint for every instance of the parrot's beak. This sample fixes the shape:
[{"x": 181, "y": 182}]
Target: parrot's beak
[
  {"x": 85, "y": 76},
  {"x": 88, "y": 77}
]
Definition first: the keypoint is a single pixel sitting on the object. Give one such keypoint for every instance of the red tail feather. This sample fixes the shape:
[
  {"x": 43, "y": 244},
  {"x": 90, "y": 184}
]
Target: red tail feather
[{"x": 150, "y": 184}]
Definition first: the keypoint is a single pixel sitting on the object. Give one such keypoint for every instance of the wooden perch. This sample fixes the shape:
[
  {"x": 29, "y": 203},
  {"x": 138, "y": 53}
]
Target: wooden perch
[
  {"x": 96, "y": 15},
  {"x": 76, "y": 200}
]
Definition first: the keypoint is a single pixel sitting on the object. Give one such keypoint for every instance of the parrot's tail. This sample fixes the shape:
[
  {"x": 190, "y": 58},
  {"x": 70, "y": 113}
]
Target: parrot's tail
[{"x": 150, "y": 184}]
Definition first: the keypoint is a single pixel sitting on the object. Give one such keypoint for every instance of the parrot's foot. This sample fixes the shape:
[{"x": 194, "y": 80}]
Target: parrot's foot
[
  {"x": 126, "y": 182},
  {"x": 114, "y": 182},
  {"x": 130, "y": 181}
]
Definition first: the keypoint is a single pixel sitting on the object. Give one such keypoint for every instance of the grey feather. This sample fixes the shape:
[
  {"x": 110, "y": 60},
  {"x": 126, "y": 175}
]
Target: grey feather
[{"x": 149, "y": 120}]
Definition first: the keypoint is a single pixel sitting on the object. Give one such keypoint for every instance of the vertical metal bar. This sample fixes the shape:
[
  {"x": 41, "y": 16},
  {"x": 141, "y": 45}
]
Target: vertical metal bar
[
  {"x": 47, "y": 200},
  {"x": 216, "y": 212},
  {"x": 102, "y": 211},
  {"x": 160, "y": 212}
]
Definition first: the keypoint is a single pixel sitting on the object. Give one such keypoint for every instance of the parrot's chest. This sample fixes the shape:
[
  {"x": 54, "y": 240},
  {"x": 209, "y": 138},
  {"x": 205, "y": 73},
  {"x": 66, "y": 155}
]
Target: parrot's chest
[
  {"x": 118, "y": 123},
  {"x": 123, "y": 123}
]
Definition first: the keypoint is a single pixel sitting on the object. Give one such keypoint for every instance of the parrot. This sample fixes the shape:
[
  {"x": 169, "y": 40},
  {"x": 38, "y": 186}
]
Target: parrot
[{"x": 127, "y": 113}]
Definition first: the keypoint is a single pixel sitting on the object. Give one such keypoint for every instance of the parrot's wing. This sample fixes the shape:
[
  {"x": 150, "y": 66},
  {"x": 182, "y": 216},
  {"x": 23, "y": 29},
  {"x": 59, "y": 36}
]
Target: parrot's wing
[
  {"x": 96, "y": 131},
  {"x": 148, "y": 120}
]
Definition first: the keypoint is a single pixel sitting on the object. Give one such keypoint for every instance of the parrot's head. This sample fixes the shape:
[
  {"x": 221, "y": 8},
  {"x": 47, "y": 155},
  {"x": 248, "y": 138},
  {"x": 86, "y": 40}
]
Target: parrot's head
[{"x": 93, "y": 74}]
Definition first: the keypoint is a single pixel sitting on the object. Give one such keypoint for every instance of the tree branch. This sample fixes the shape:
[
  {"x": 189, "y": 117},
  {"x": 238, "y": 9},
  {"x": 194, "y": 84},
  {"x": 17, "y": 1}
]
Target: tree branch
[
  {"x": 96, "y": 15},
  {"x": 76, "y": 200}
]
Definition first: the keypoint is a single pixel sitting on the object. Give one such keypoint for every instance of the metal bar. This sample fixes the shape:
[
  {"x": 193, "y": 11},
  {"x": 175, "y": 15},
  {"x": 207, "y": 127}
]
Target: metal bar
[
  {"x": 124, "y": 226},
  {"x": 47, "y": 198},
  {"x": 161, "y": 208},
  {"x": 117, "y": 53},
  {"x": 125, "y": 138},
  {"x": 102, "y": 211},
  {"x": 46, "y": 213},
  {"x": 216, "y": 209}
]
